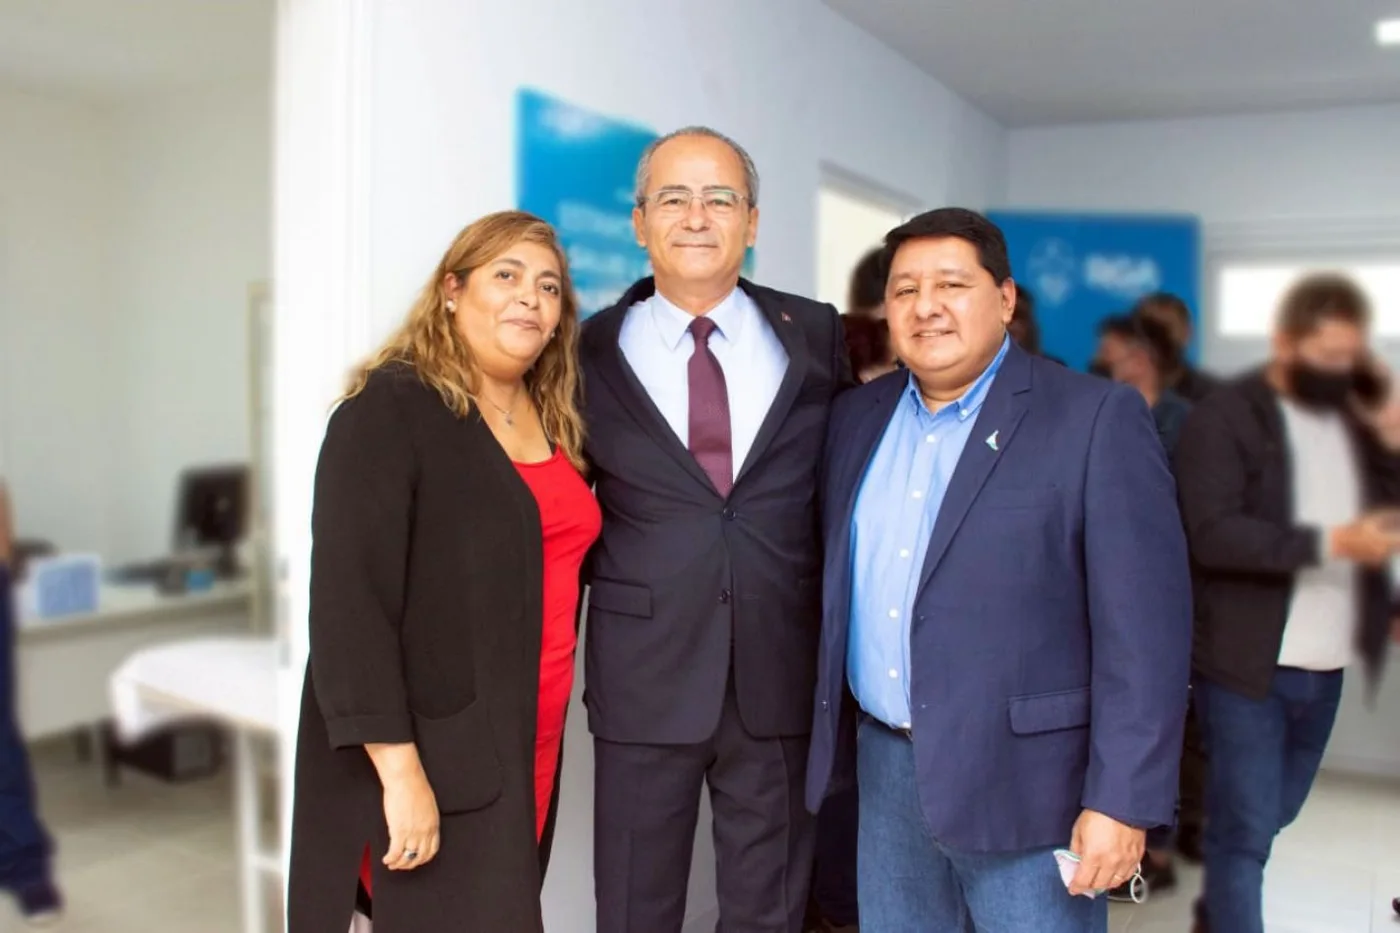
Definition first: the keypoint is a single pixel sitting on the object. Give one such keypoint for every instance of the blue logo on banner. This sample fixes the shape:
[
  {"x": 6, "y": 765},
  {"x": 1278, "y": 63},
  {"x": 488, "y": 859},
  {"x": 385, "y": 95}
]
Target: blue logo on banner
[{"x": 1084, "y": 267}]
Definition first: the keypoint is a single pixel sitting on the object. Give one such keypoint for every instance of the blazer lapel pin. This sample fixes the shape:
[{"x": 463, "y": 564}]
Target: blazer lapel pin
[
  {"x": 786, "y": 319},
  {"x": 992, "y": 440}
]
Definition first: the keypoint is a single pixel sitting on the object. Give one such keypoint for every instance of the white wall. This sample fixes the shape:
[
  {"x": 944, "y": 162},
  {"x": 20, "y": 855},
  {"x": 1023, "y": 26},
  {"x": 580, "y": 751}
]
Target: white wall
[
  {"x": 427, "y": 87},
  {"x": 130, "y": 235},
  {"x": 193, "y": 231},
  {"x": 1320, "y": 164},
  {"x": 56, "y": 286}
]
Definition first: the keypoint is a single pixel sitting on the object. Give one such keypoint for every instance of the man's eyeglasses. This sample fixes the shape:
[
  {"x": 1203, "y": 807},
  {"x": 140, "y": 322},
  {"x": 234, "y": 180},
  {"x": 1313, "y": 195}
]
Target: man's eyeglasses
[{"x": 717, "y": 202}]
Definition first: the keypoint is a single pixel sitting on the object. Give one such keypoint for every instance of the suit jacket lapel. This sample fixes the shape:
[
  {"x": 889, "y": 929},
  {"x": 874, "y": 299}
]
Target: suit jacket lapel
[
  {"x": 790, "y": 334},
  {"x": 1001, "y": 413},
  {"x": 622, "y": 380},
  {"x": 861, "y": 446}
]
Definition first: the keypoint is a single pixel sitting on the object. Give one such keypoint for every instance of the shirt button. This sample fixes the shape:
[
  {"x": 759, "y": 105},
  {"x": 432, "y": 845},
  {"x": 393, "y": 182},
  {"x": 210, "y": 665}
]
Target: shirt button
[
  {"x": 907, "y": 725},
  {"x": 894, "y": 674},
  {"x": 904, "y": 552},
  {"x": 930, "y": 439},
  {"x": 918, "y": 494},
  {"x": 894, "y": 613}
]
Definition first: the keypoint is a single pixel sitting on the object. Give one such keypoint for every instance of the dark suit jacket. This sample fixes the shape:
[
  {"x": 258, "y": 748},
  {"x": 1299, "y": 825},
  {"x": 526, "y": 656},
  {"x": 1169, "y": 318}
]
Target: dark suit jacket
[
  {"x": 1236, "y": 487},
  {"x": 681, "y": 574},
  {"x": 426, "y": 591},
  {"x": 1052, "y": 621}
]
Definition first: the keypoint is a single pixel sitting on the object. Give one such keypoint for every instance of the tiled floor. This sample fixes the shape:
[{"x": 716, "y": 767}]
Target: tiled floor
[
  {"x": 158, "y": 858},
  {"x": 144, "y": 856},
  {"x": 1334, "y": 871}
]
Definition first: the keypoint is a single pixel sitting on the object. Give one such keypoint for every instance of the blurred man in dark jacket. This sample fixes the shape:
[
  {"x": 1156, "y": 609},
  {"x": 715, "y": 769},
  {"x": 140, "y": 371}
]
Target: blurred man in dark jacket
[{"x": 1288, "y": 480}]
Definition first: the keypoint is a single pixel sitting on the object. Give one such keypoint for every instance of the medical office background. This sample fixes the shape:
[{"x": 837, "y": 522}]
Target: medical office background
[{"x": 263, "y": 227}]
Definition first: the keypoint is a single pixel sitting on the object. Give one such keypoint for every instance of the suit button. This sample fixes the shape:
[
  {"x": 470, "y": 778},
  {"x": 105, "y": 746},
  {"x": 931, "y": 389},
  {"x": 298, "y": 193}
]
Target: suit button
[
  {"x": 729, "y": 515},
  {"x": 825, "y": 705},
  {"x": 725, "y": 596}
]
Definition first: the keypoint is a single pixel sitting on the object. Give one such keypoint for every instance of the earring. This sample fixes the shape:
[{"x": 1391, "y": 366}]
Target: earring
[{"x": 451, "y": 306}]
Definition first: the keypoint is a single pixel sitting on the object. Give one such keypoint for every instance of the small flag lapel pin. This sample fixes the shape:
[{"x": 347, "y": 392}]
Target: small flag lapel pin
[
  {"x": 786, "y": 319},
  {"x": 992, "y": 440}
]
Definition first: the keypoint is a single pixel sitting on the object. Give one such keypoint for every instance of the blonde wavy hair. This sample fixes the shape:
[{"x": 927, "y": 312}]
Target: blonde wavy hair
[{"x": 428, "y": 342}]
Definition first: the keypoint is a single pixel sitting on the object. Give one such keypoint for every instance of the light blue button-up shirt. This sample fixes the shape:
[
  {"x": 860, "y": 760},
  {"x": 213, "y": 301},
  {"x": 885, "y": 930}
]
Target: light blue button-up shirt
[
  {"x": 656, "y": 342},
  {"x": 895, "y": 512}
]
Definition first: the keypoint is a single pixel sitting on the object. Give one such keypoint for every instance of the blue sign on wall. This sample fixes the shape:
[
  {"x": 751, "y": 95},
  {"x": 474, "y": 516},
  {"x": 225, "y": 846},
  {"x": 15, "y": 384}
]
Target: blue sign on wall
[
  {"x": 576, "y": 169},
  {"x": 1084, "y": 267}
]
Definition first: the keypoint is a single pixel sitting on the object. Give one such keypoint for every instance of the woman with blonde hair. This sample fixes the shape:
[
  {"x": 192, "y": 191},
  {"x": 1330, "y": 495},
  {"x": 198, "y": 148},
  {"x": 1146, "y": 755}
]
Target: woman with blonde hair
[{"x": 449, "y": 525}]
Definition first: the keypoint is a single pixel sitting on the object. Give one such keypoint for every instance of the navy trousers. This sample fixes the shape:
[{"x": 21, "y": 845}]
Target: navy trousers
[{"x": 24, "y": 846}]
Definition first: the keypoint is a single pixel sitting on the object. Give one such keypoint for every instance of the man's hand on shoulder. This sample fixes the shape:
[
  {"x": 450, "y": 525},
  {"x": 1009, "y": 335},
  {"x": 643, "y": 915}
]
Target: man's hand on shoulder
[{"x": 1109, "y": 852}]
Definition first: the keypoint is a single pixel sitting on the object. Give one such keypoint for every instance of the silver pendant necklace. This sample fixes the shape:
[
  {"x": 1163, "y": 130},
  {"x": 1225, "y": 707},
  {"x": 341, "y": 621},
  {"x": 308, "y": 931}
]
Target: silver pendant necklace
[{"x": 510, "y": 418}]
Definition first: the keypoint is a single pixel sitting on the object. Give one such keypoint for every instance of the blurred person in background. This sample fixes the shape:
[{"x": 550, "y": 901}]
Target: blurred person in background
[
  {"x": 449, "y": 525},
  {"x": 25, "y": 848},
  {"x": 866, "y": 295},
  {"x": 1171, "y": 312},
  {"x": 1139, "y": 352},
  {"x": 1024, "y": 327},
  {"x": 1288, "y": 480},
  {"x": 706, "y": 398},
  {"x": 868, "y": 342},
  {"x": 1017, "y": 648}
]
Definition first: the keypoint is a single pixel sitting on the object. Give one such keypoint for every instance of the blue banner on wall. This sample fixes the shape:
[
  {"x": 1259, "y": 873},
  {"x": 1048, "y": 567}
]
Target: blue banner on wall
[
  {"x": 1085, "y": 267},
  {"x": 576, "y": 169}
]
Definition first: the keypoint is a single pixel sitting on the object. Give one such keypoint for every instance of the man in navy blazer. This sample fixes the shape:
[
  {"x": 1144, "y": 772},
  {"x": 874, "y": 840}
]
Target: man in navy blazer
[{"x": 1007, "y": 597}]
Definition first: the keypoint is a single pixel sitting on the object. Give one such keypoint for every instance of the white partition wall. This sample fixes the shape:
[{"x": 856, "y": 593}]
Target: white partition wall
[{"x": 394, "y": 129}]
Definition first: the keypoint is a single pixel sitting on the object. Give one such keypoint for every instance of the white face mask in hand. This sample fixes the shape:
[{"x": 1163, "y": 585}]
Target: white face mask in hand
[{"x": 1069, "y": 865}]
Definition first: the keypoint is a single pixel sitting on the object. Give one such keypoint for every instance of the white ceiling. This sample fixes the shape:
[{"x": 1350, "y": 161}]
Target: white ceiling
[
  {"x": 1029, "y": 62},
  {"x": 113, "y": 49}
]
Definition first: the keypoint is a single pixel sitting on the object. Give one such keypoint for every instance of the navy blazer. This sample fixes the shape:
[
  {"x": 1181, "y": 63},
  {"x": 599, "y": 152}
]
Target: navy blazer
[{"x": 1052, "y": 623}]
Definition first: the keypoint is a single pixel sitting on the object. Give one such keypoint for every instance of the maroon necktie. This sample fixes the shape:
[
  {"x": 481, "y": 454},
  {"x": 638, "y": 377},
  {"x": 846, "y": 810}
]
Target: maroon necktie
[{"x": 709, "y": 410}]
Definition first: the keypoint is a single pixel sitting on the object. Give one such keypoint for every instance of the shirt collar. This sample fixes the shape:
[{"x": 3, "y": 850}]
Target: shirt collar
[
  {"x": 673, "y": 323},
  {"x": 976, "y": 394}
]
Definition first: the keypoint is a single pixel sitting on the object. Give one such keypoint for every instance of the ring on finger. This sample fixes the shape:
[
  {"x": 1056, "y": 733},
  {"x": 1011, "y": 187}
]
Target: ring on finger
[{"x": 411, "y": 854}]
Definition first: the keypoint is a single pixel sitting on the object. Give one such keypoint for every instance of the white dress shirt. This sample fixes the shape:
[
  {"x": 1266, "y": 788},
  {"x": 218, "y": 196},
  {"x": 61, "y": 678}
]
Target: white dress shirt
[{"x": 657, "y": 344}]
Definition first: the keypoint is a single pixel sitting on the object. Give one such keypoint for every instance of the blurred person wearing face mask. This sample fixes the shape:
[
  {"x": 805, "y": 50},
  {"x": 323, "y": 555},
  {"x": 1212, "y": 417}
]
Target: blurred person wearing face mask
[
  {"x": 449, "y": 524},
  {"x": 1289, "y": 477},
  {"x": 1170, "y": 312},
  {"x": 706, "y": 398},
  {"x": 1008, "y": 600},
  {"x": 1139, "y": 352}
]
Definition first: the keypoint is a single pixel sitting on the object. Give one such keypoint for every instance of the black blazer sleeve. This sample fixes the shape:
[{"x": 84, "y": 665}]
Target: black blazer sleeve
[
  {"x": 360, "y": 530},
  {"x": 1211, "y": 478}
]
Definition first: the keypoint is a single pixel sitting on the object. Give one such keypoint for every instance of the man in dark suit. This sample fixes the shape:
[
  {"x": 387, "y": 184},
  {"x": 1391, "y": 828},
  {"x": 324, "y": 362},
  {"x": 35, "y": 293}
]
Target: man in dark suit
[
  {"x": 1007, "y": 595},
  {"x": 706, "y": 399}
]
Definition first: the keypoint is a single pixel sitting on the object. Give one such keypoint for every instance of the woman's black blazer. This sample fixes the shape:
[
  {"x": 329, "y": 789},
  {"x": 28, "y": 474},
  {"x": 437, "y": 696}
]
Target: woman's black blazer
[{"x": 426, "y": 591}]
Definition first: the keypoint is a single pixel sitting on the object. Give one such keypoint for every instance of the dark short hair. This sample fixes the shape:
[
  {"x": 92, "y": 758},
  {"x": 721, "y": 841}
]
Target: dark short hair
[
  {"x": 1163, "y": 301},
  {"x": 956, "y": 222},
  {"x": 1144, "y": 332},
  {"x": 867, "y": 284},
  {"x": 1325, "y": 296},
  {"x": 867, "y": 340}
]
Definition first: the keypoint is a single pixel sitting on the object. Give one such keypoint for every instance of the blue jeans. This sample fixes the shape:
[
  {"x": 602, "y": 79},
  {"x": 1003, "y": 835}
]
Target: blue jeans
[
  {"x": 24, "y": 846},
  {"x": 1262, "y": 757},
  {"x": 909, "y": 882}
]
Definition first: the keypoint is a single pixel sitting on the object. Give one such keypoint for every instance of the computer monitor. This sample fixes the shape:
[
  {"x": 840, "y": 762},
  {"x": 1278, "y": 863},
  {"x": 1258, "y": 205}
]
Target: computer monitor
[{"x": 212, "y": 511}]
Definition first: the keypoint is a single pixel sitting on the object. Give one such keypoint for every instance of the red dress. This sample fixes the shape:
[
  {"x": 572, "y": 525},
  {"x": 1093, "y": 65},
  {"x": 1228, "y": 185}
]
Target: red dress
[{"x": 570, "y": 521}]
